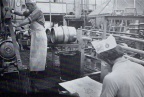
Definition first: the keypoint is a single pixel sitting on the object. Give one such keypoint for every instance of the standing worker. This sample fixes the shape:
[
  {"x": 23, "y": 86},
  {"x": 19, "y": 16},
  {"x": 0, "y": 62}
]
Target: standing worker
[
  {"x": 126, "y": 78},
  {"x": 38, "y": 49}
]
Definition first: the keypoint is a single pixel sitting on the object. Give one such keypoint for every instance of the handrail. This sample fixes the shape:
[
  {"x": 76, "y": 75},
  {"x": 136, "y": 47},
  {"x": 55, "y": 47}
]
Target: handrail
[
  {"x": 134, "y": 59},
  {"x": 93, "y": 30},
  {"x": 133, "y": 50},
  {"x": 129, "y": 38},
  {"x": 126, "y": 56}
]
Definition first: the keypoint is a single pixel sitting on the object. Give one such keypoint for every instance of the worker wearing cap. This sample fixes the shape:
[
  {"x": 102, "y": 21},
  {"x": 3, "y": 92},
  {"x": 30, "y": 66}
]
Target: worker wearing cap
[
  {"x": 126, "y": 78},
  {"x": 38, "y": 50}
]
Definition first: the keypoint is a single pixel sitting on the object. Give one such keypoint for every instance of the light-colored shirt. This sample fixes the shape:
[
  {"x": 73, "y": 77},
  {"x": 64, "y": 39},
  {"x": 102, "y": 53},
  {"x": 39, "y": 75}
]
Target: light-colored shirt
[
  {"x": 38, "y": 16},
  {"x": 125, "y": 80}
]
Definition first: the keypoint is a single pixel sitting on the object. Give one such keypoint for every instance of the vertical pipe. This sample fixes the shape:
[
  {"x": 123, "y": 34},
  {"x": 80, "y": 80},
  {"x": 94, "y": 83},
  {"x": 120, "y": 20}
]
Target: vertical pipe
[
  {"x": 105, "y": 28},
  {"x": 87, "y": 9},
  {"x": 62, "y": 7},
  {"x": 82, "y": 5},
  {"x": 66, "y": 8},
  {"x": 95, "y": 4},
  {"x": 84, "y": 13},
  {"x": 0, "y": 16},
  {"x": 134, "y": 3},
  {"x": 74, "y": 6},
  {"x": 14, "y": 4},
  {"x": 116, "y": 4},
  {"x": 64, "y": 22},
  {"x": 50, "y": 12},
  {"x": 77, "y": 9},
  {"x": 105, "y": 69},
  {"x": 87, "y": 5}
]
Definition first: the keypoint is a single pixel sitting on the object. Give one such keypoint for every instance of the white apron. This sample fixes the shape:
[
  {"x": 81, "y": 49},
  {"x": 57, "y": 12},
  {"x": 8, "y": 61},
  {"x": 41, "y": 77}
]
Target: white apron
[{"x": 38, "y": 49}]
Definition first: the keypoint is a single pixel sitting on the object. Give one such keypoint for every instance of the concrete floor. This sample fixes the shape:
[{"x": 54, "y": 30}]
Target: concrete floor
[{"x": 46, "y": 82}]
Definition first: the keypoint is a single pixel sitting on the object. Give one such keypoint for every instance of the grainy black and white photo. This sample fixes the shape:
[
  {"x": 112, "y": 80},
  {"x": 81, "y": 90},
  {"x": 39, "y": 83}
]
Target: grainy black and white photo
[{"x": 72, "y": 48}]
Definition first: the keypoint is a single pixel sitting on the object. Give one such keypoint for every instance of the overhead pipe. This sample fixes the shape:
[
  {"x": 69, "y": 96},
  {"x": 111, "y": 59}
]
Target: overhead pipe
[
  {"x": 123, "y": 37},
  {"x": 94, "y": 30},
  {"x": 87, "y": 38},
  {"x": 93, "y": 73},
  {"x": 126, "y": 56},
  {"x": 134, "y": 59},
  {"x": 133, "y": 50},
  {"x": 90, "y": 57},
  {"x": 122, "y": 33},
  {"x": 129, "y": 38}
]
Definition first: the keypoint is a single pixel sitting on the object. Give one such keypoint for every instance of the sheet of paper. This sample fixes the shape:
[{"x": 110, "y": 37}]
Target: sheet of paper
[{"x": 85, "y": 87}]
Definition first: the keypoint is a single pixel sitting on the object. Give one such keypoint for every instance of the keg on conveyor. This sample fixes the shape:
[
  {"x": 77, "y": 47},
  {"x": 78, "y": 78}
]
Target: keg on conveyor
[{"x": 63, "y": 34}]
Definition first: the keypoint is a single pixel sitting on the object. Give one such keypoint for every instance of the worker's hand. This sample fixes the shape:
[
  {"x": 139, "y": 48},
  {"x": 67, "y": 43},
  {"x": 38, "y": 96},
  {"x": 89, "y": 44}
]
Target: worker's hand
[
  {"x": 8, "y": 9},
  {"x": 12, "y": 11},
  {"x": 26, "y": 13}
]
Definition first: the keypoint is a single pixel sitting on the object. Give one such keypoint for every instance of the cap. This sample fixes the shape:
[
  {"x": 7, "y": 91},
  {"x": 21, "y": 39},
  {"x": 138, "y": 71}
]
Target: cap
[
  {"x": 104, "y": 45},
  {"x": 30, "y": 1}
]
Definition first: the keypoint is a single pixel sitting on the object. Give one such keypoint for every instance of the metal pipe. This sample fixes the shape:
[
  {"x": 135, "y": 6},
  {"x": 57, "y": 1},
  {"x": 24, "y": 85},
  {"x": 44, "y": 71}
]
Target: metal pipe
[
  {"x": 95, "y": 4},
  {"x": 129, "y": 38},
  {"x": 133, "y": 50},
  {"x": 134, "y": 3},
  {"x": 116, "y": 4},
  {"x": 50, "y": 13},
  {"x": 94, "y": 73},
  {"x": 92, "y": 31},
  {"x": 122, "y": 33},
  {"x": 77, "y": 8},
  {"x": 123, "y": 37},
  {"x": 110, "y": 32},
  {"x": 126, "y": 56},
  {"x": 90, "y": 57},
  {"x": 86, "y": 38},
  {"x": 134, "y": 59}
]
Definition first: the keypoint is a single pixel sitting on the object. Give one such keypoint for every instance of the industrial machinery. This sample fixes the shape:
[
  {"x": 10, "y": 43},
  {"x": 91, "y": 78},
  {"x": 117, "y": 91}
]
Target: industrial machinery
[
  {"x": 7, "y": 50},
  {"x": 10, "y": 60}
]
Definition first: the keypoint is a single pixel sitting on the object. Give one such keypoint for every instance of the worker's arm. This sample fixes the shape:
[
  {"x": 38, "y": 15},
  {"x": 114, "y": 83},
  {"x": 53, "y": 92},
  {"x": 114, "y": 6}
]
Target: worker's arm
[
  {"x": 17, "y": 13},
  {"x": 109, "y": 88},
  {"x": 25, "y": 13},
  {"x": 22, "y": 23},
  {"x": 32, "y": 17}
]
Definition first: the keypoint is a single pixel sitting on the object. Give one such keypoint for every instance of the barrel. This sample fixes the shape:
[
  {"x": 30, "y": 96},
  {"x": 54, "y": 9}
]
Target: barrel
[{"x": 63, "y": 34}]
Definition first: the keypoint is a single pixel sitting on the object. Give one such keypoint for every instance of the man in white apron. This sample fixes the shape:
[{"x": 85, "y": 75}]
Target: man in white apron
[{"x": 38, "y": 50}]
